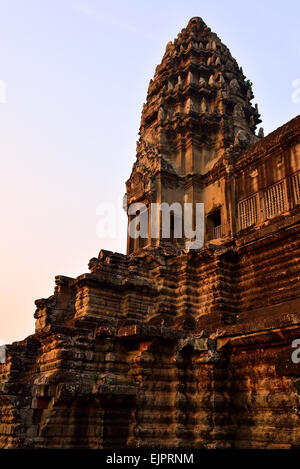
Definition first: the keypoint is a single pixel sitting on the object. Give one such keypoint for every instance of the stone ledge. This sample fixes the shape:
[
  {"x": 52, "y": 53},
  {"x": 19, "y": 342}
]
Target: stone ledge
[
  {"x": 114, "y": 390},
  {"x": 141, "y": 331},
  {"x": 198, "y": 344}
]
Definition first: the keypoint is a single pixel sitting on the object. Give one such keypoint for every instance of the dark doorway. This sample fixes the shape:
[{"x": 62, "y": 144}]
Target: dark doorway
[{"x": 214, "y": 225}]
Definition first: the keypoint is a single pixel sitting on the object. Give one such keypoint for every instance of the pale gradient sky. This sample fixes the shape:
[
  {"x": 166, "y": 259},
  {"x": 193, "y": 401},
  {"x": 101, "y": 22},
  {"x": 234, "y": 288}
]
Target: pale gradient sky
[{"x": 76, "y": 74}]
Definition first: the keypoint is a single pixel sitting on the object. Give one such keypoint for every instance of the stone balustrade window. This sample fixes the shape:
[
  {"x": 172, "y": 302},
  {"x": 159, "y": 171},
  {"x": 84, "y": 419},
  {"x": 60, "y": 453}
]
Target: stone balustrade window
[
  {"x": 275, "y": 200},
  {"x": 247, "y": 210},
  {"x": 295, "y": 180},
  {"x": 217, "y": 232}
]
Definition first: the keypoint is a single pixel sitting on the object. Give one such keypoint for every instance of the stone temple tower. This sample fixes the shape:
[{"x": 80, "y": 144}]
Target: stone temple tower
[
  {"x": 198, "y": 116},
  {"x": 171, "y": 347}
]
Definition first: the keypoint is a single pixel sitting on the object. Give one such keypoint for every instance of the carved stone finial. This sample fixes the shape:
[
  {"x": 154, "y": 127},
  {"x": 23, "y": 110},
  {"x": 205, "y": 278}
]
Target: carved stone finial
[
  {"x": 234, "y": 86},
  {"x": 211, "y": 81},
  {"x": 202, "y": 82},
  {"x": 203, "y": 106}
]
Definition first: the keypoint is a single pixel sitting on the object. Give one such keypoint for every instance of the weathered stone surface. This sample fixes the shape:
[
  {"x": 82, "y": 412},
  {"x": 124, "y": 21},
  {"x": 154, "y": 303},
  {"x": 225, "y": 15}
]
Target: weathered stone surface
[{"x": 165, "y": 347}]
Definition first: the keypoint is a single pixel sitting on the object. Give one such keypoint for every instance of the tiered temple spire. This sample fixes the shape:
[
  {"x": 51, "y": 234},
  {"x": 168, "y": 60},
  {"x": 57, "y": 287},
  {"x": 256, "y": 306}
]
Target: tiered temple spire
[
  {"x": 198, "y": 109},
  {"x": 199, "y": 99}
]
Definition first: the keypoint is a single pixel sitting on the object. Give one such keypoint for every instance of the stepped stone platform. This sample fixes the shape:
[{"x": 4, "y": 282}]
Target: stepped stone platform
[{"x": 167, "y": 347}]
